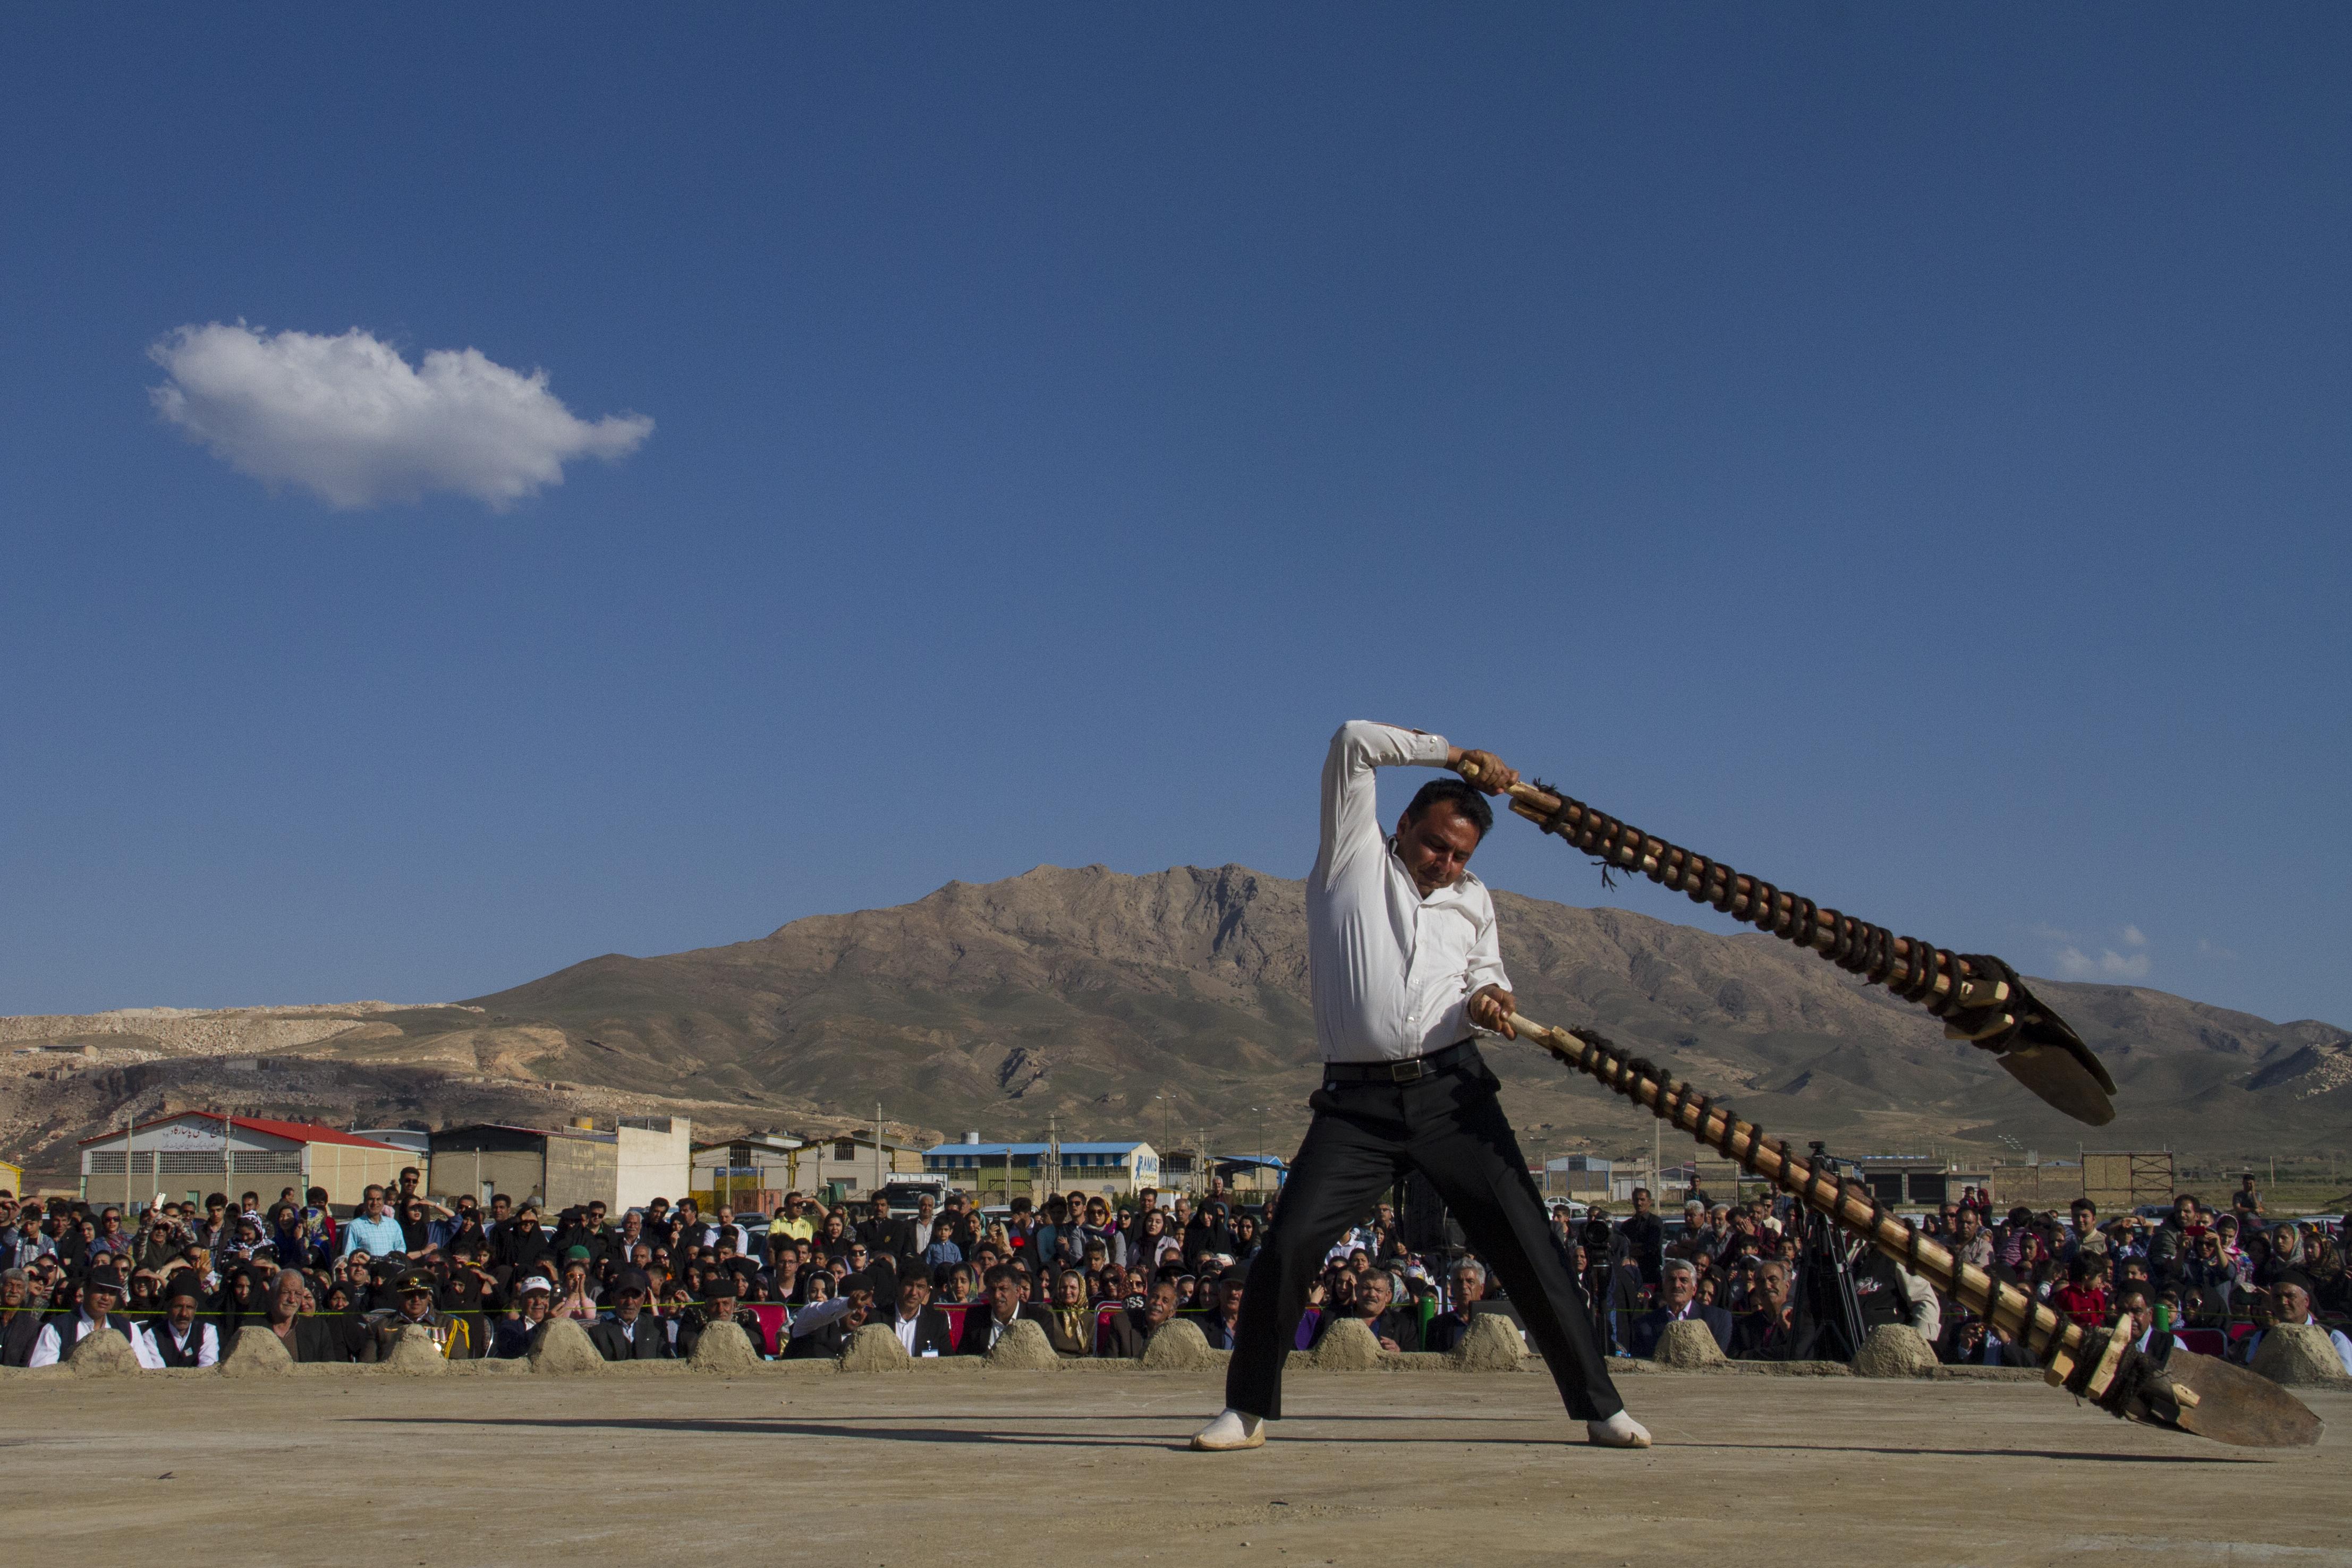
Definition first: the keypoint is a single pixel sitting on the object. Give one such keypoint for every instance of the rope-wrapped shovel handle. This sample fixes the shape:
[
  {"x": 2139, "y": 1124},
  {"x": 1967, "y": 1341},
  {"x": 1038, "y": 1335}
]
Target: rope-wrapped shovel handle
[
  {"x": 1979, "y": 997},
  {"x": 2178, "y": 1389}
]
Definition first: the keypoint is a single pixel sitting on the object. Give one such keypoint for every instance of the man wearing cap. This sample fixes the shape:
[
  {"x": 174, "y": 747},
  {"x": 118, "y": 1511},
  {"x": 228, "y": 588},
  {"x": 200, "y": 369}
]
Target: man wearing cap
[
  {"x": 180, "y": 1340},
  {"x": 510, "y": 1339},
  {"x": 1405, "y": 966},
  {"x": 415, "y": 1290},
  {"x": 631, "y": 1334},
  {"x": 719, "y": 1294},
  {"x": 100, "y": 1294}
]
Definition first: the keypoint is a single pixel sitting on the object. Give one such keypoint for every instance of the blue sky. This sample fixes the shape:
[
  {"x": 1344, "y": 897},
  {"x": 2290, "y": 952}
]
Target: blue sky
[{"x": 1899, "y": 450}]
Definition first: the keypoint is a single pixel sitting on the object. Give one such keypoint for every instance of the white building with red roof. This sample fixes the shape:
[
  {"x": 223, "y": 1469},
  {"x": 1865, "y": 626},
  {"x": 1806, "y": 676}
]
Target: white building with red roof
[{"x": 187, "y": 1155}]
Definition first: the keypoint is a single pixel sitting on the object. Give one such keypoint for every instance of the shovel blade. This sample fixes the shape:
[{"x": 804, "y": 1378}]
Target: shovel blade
[
  {"x": 2059, "y": 1078},
  {"x": 2233, "y": 1406}
]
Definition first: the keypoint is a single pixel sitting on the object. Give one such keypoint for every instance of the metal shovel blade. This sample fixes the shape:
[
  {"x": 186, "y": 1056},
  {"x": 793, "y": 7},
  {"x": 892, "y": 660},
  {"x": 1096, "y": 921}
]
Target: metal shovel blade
[
  {"x": 2233, "y": 1406},
  {"x": 2058, "y": 1076}
]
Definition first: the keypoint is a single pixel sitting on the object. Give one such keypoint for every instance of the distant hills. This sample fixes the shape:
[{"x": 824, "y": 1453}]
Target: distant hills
[{"x": 1121, "y": 1005}]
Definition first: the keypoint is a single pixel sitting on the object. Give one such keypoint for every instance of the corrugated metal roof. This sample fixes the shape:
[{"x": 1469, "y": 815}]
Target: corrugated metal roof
[{"x": 295, "y": 1132}]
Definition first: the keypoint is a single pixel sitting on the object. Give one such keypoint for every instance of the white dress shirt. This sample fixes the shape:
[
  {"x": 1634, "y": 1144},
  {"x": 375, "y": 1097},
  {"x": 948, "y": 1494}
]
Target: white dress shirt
[
  {"x": 50, "y": 1349},
  {"x": 1390, "y": 970}
]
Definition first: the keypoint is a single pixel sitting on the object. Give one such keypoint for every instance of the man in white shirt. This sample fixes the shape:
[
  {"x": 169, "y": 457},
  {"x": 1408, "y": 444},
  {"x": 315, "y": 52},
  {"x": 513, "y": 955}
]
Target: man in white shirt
[
  {"x": 2291, "y": 1300},
  {"x": 94, "y": 1315},
  {"x": 1407, "y": 970},
  {"x": 179, "y": 1340}
]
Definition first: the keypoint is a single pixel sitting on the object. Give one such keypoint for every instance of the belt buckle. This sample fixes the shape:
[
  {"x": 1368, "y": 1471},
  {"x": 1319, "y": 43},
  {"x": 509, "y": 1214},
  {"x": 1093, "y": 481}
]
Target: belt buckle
[{"x": 1397, "y": 1073}]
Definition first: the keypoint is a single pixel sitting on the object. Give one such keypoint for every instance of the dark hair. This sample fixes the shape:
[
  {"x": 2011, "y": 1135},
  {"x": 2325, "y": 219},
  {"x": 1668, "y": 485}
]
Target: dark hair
[{"x": 1461, "y": 796}]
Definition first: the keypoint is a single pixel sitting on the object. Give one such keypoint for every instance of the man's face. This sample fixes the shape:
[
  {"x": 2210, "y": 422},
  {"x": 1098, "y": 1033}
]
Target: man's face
[
  {"x": 12, "y": 1294},
  {"x": 2143, "y": 1316},
  {"x": 2292, "y": 1302},
  {"x": 415, "y": 1304},
  {"x": 2185, "y": 1210},
  {"x": 627, "y": 1303},
  {"x": 500, "y": 1207},
  {"x": 913, "y": 1297},
  {"x": 99, "y": 1303},
  {"x": 861, "y": 1305},
  {"x": 181, "y": 1311},
  {"x": 375, "y": 1206},
  {"x": 1469, "y": 1285},
  {"x": 290, "y": 1300},
  {"x": 1162, "y": 1305},
  {"x": 726, "y": 1215},
  {"x": 596, "y": 1215},
  {"x": 1641, "y": 1202},
  {"x": 1679, "y": 1287},
  {"x": 1772, "y": 1284},
  {"x": 1967, "y": 1224},
  {"x": 1373, "y": 1296},
  {"x": 1004, "y": 1298},
  {"x": 1436, "y": 847},
  {"x": 534, "y": 1306}
]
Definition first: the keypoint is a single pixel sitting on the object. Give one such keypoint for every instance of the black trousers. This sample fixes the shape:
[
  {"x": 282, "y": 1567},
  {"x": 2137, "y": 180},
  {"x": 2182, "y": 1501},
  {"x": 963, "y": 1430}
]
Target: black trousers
[{"x": 1449, "y": 1127}]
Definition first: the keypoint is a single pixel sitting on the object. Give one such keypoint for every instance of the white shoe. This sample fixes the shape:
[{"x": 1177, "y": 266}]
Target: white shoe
[
  {"x": 1619, "y": 1431},
  {"x": 1232, "y": 1429}
]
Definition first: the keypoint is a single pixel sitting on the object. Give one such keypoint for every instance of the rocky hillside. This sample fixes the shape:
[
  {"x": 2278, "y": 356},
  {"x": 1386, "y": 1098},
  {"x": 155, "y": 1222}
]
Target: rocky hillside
[{"x": 1118, "y": 1004}]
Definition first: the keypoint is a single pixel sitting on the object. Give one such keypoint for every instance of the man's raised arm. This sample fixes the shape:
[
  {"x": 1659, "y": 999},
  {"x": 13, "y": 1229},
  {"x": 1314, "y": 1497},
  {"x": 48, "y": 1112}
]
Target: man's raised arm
[{"x": 1350, "y": 803}]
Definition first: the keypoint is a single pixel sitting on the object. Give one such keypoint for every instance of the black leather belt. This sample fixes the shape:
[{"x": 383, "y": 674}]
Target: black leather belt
[{"x": 1410, "y": 1069}]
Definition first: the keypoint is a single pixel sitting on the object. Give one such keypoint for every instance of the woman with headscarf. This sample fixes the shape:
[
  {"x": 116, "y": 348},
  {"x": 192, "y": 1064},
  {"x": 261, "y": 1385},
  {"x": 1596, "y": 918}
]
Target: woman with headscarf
[
  {"x": 2285, "y": 1255},
  {"x": 1070, "y": 1322}
]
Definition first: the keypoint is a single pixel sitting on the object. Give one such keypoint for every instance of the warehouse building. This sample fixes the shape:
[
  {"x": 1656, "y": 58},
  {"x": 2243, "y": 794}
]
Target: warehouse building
[
  {"x": 639, "y": 1159},
  {"x": 198, "y": 1151}
]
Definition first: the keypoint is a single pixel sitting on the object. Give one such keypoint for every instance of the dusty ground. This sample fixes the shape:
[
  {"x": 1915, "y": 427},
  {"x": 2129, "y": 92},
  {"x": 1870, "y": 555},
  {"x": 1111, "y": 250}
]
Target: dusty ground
[{"x": 1027, "y": 1467}]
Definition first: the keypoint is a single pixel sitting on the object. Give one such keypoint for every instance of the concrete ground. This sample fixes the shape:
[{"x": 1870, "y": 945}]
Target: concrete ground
[{"x": 1010, "y": 1467}]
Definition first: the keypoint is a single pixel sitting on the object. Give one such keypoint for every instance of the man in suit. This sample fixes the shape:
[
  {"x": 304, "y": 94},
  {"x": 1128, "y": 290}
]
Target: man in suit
[
  {"x": 921, "y": 1327},
  {"x": 1678, "y": 1302},
  {"x": 884, "y": 1236},
  {"x": 20, "y": 1321},
  {"x": 1773, "y": 1331},
  {"x": 307, "y": 1338},
  {"x": 1130, "y": 1329},
  {"x": 1224, "y": 1321},
  {"x": 631, "y": 1334},
  {"x": 982, "y": 1330},
  {"x": 720, "y": 1293},
  {"x": 1446, "y": 1329}
]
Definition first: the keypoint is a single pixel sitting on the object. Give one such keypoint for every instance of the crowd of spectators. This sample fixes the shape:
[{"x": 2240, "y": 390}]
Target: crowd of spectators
[{"x": 180, "y": 1280}]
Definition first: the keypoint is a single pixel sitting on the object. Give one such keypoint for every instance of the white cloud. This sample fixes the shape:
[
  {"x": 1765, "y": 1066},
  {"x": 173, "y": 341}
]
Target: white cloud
[
  {"x": 2132, "y": 937},
  {"x": 348, "y": 418},
  {"x": 2110, "y": 965},
  {"x": 2206, "y": 950}
]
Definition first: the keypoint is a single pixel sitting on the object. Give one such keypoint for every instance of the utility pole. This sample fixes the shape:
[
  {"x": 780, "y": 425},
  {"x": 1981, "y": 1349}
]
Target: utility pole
[
  {"x": 877, "y": 1147},
  {"x": 1053, "y": 1156}
]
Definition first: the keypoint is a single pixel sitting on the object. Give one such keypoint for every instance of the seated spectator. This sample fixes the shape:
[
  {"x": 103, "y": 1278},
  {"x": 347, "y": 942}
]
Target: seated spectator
[
  {"x": 2081, "y": 1300},
  {"x": 1070, "y": 1323},
  {"x": 1677, "y": 1302},
  {"x": 826, "y": 1330},
  {"x": 415, "y": 1291},
  {"x": 631, "y": 1334},
  {"x": 1446, "y": 1329},
  {"x": 921, "y": 1327},
  {"x": 512, "y": 1339},
  {"x": 577, "y": 1298},
  {"x": 1130, "y": 1329},
  {"x": 2290, "y": 1308},
  {"x": 1773, "y": 1331},
  {"x": 942, "y": 1251},
  {"x": 2147, "y": 1338},
  {"x": 100, "y": 1293},
  {"x": 307, "y": 1338},
  {"x": 1396, "y": 1328},
  {"x": 1224, "y": 1318},
  {"x": 179, "y": 1339},
  {"x": 20, "y": 1321},
  {"x": 981, "y": 1330},
  {"x": 721, "y": 1304}
]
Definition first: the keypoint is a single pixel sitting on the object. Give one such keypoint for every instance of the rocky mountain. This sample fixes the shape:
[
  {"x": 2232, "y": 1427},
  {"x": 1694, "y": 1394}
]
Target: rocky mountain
[{"x": 1164, "y": 1004}]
